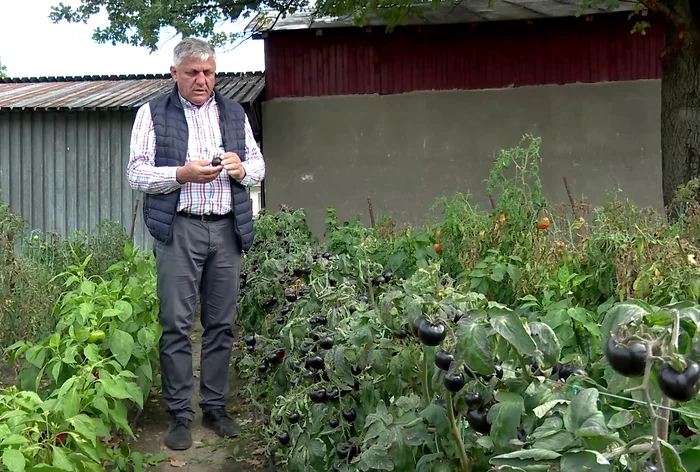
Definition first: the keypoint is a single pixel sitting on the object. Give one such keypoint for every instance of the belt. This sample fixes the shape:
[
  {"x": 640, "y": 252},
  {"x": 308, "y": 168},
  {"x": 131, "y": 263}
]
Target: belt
[{"x": 204, "y": 217}]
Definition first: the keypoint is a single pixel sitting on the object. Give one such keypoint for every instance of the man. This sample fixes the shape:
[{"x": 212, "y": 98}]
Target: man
[{"x": 199, "y": 214}]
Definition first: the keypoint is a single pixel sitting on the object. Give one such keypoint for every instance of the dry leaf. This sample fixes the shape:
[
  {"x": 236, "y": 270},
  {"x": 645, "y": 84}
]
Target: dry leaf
[
  {"x": 177, "y": 463},
  {"x": 259, "y": 451},
  {"x": 253, "y": 462}
]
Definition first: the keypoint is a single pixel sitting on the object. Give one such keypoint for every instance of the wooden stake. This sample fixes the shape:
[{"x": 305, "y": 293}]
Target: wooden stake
[{"x": 371, "y": 212}]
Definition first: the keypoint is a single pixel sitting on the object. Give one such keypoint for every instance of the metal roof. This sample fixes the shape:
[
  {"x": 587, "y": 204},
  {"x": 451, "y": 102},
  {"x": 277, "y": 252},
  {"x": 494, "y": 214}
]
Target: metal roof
[
  {"x": 114, "y": 91},
  {"x": 471, "y": 11}
]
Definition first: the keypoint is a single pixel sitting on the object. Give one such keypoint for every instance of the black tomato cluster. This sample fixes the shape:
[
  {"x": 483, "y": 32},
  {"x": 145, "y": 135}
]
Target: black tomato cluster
[{"x": 631, "y": 361}]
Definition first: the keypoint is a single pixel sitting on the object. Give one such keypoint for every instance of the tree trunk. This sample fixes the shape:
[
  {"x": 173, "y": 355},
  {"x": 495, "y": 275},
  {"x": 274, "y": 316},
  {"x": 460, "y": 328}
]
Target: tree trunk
[{"x": 680, "y": 102}]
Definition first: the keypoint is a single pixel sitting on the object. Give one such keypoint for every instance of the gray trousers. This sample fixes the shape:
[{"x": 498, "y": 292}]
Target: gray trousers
[{"x": 203, "y": 258}]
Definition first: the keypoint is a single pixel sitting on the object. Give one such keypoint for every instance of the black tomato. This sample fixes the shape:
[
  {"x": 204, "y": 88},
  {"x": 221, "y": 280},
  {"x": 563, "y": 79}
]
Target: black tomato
[
  {"x": 249, "y": 340},
  {"x": 294, "y": 417},
  {"x": 680, "y": 387},
  {"x": 432, "y": 334},
  {"x": 629, "y": 361},
  {"x": 458, "y": 315},
  {"x": 309, "y": 375},
  {"x": 473, "y": 400},
  {"x": 342, "y": 450},
  {"x": 356, "y": 370},
  {"x": 417, "y": 322},
  {"x": 250, "y": 348},
  {"x": 378, "y": 280},
  {"x": 522, "y": 434},
  {"x": 567, "y": 370},
  {"x": 315, "y": 362},
  {"x": 388, "y": 275},
  {"x": 216, "y": 162},
  {"x": 285, "y": 310},
  {"x": 279, "y": 420},
  {"x": 362, "y": 298},
  {"x": 326, "y": 343},
  {"x": 290, "y": 297},
  {"x": 499, "y": 371},
  {"x": 283, "y": 438},
  {"x": 349, "y": 415},
  {"x": 333, "y": 394},
  {"x": 279, "y": 232},
  {"x": 322, "y": 320},
  {"x": 318, "y": 396},
  {"x": 443, "y": 360},
  {"x": 401, "y": 334},
  {"x": 264, "y": 366},
  {"x": 280, "y": 320},
  {"x": 477, "y": 419},
  {"x": 453, "y": 382},
  {"x": 334, "y": 423},
  {"x": 306, "y": 348}
]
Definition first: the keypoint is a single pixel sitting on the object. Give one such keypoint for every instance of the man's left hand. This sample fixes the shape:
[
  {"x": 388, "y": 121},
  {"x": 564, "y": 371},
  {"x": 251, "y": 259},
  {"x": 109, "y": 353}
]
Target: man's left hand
[{"x": 232, "y": 164}]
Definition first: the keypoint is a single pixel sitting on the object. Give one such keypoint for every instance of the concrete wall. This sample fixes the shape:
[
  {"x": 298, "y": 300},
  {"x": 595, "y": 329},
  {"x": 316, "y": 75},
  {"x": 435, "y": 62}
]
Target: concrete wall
[{"x": 404, "y": 151}]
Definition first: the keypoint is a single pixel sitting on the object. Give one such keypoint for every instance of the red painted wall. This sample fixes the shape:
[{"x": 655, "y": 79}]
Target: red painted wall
[{"x": 490, "y": 55}]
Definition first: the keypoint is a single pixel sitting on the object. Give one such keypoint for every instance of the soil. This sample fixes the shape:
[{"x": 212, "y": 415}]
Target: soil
[{"x": 208, "y": 453}]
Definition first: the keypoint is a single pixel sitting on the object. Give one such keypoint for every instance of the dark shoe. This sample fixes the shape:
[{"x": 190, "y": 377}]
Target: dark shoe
[
  {"x": 179, "y": 437},
  {"x": 218, "y": 421}
]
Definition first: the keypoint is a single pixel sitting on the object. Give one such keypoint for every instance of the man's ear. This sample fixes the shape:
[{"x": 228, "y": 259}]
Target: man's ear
[{"x": 173, "y": 72}]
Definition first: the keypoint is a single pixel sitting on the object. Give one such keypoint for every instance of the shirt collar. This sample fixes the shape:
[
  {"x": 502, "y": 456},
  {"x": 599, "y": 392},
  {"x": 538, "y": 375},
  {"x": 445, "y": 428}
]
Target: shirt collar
[{"x": 186, "y": 103}]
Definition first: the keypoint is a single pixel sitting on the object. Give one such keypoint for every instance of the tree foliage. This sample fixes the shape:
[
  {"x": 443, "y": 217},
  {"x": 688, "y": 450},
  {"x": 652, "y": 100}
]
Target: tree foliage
[
  {"x": 140, "y": 22},
  {"x": 3, "y": 70}
]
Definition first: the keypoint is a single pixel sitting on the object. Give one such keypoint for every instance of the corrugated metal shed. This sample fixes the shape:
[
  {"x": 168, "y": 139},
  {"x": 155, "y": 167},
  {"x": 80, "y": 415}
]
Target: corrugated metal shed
[
  {"x": 472, "y": 11},
  {"x": 345, "y": 61},
  {"x": 64, "y": 146},
  {"x": 112, "y": 92}
]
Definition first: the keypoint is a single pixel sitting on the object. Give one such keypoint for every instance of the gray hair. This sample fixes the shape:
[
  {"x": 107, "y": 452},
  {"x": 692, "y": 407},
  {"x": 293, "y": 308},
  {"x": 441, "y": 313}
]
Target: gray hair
[{"x": 192, "y": 48}]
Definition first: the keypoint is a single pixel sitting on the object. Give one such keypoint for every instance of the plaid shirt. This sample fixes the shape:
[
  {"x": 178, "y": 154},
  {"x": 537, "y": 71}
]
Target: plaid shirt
[{"x": 204, "y": 143}]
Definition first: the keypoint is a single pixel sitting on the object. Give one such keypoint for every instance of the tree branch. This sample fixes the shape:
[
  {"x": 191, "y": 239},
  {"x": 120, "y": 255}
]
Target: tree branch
[{"x": 658, "y": 6}]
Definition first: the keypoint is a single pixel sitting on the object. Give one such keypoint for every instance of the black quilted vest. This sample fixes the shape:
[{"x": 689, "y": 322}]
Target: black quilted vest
[{"x": 172, "y": 137}]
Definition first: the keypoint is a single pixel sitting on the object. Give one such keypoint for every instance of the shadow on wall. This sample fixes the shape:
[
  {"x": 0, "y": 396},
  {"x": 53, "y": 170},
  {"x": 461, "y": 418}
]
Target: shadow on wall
[{"x": 405, "y": 151}]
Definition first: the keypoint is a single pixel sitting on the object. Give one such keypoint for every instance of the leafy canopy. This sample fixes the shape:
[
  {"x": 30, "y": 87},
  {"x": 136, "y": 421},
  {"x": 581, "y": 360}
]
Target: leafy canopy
[{"x": 139, "y": 22}]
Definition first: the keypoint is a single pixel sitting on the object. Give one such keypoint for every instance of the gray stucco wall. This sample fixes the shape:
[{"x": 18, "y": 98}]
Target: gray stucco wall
[
  {"x": 404, "y": 151},
  {"x": 66, "y": 170}
]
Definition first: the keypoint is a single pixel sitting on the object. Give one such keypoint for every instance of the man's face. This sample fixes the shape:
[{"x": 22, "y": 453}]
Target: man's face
[{"x": 195, "y": 79}]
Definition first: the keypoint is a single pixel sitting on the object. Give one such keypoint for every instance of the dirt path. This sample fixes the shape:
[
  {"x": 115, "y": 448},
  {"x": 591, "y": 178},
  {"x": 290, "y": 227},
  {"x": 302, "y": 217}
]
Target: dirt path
[{"x": 208, "y": 453}]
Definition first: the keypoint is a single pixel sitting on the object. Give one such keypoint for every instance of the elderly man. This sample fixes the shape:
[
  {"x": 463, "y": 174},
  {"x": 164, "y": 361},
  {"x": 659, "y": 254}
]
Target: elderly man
[{"x": 193, "y": 154}]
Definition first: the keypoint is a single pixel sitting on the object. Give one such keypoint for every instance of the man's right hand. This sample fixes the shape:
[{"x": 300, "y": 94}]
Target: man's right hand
[{"x": 200, "y": 172}]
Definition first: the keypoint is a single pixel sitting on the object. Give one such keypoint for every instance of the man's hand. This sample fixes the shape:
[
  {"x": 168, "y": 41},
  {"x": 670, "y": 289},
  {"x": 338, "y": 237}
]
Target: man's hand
[
  {"x": 232, "y": 164},
  {"x": 200, "y": 172}
]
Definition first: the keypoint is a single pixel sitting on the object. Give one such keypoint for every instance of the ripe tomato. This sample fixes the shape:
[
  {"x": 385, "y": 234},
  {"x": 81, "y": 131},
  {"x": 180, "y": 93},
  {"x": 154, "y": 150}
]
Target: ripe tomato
[
  {"x": 502, "y": 218},
  {"x": 61, "y": 438},
  {"x": 543, "y": 223},
  {"x": 438, "y": 248}
]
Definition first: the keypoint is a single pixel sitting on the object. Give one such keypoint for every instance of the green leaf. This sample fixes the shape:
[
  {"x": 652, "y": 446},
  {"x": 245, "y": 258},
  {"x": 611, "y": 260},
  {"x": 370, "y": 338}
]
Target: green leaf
[
  {"x": 557, "y": 441},
  {"x": 13, "y": 440},
  {"x": 507, "y": 323},
  {"x": 36, "y": 355},
  {"x": 114, "y": 386},
  {"x": 528, "y": 458},
  {"x": 92, "y": 353},
  {"x": 474, "y": 347},
  {"x": 88, "y": 287},
  {"x": 125, "y": 310},
  {"x": 60, "y": 459},
  {"x": 504, "y": 418},
  {"x": 582, "y": 418},
  {"x": 691, "y": 458},
  {"x": 436, "y": 416},
  {"x": 122, "y": 345},
  {"x": 376, "y": 458},
  {"x": 592, "y": 461},
  {"x": 547, "y": 342},
  {"x": 71, "y": 403},
  {"x": 14, "y": 460},
  {"x": 84, "y": 426},
  {"x": 622, "y": 313},
  {"x": 672, "y": 460},
  {"x": 620, "y": 419},
  {"x": 147, "y": 338}
]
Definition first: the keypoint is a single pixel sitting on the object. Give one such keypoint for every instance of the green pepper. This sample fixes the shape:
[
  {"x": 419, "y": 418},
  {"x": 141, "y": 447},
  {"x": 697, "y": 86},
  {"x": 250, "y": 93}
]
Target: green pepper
[{"x": 96, "y": 336}]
